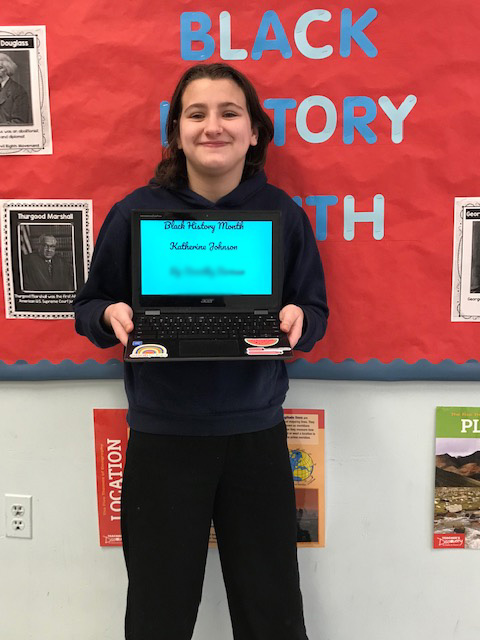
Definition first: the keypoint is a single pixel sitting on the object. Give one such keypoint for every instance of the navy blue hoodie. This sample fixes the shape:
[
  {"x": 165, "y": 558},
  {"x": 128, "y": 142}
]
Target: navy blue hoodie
[{"x": 204, "y": 398}]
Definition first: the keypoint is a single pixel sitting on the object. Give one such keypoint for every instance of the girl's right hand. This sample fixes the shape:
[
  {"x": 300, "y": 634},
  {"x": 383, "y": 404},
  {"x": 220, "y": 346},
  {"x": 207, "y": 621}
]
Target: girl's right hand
[{"x": 119, "y": 316}]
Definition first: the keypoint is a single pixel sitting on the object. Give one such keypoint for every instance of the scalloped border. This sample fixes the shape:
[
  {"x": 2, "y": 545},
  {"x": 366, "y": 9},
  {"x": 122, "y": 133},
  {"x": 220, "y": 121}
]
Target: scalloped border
[{"x": 324, "y": 369}]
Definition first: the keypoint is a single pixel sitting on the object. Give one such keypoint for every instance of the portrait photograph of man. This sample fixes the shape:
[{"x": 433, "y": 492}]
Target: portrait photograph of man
[
  {"x": 475, "y": 265},
  {"x": 15, "y": 99},
  {"x": 46, "y": 251},
  {"x": 47, "y": 260}
]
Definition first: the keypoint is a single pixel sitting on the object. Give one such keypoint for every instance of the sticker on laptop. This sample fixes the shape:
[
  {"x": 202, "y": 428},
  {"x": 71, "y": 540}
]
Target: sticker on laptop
[
  {"x": 261, "y": 342},
  {"x": 149, "y": 351},
  {"x": 261, "y": 351}
]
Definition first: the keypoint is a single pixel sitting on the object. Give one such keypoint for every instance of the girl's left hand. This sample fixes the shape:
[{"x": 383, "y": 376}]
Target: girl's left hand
[{"x": 291, "y": 322}]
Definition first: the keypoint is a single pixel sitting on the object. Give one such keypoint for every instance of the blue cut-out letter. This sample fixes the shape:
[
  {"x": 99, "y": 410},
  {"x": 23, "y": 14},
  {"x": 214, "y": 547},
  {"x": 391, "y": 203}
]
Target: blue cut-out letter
[
  {"x": 397, "y": 116},
  {"x": 188, "y": 36},
  {"x": 300, "y": 34},
  {"x": 360, "y": 123},
  {"x": 330, "y": 119},
  {"x": 226, "y": 51},
  {"x": 164, "y": 109},
  {"x": 321, "y": 204},
  {"x": 279, "y": 43},
  {"x": 279, "y": 106},
  {"x": 349, "y": 32},
  {"x": 351, "y": 217}
]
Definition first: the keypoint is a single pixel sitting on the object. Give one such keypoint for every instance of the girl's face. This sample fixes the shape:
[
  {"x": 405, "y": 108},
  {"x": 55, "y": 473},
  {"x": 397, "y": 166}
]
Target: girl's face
[{"x": 215, "y": 130}]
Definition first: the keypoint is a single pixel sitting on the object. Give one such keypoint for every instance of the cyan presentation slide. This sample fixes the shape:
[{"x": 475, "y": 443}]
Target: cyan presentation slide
[{"x": 206, "y": 257}]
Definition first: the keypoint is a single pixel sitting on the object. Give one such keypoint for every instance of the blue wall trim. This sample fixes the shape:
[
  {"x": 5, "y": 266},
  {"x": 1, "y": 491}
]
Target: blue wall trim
[{"x": 323, "y": 369}]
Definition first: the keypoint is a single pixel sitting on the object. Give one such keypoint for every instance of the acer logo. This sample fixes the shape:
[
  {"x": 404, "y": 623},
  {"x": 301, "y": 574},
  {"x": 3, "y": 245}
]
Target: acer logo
[{"x": 206, "y": 300}]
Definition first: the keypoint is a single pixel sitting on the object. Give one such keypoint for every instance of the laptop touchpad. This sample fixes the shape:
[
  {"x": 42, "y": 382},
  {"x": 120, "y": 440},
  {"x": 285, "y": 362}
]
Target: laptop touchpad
[{"x": 205, "y": 348}]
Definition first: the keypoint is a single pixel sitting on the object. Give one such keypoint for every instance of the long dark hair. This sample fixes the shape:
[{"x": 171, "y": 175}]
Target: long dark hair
[{"x": 172, "y": 170}]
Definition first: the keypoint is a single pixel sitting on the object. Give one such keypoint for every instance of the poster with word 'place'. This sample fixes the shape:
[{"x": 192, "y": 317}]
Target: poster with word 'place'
[{"x": 457, "y": 478}]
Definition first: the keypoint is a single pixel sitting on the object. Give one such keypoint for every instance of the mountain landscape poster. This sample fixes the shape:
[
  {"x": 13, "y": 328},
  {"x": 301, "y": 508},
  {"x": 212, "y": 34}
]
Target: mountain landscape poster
[{"x": 457, "y": 478}]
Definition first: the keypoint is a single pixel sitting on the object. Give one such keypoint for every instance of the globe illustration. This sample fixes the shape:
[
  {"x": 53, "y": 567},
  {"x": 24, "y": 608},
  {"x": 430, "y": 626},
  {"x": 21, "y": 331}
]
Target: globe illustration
[{"x": 302, "y": 465}]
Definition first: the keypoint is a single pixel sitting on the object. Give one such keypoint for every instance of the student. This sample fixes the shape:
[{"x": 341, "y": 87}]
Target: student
[{"x": 207, "y": 439}]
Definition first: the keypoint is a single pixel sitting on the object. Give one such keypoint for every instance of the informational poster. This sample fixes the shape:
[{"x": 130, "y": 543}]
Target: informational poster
[
  {"x": 306, "y": 442},
  {"x": 305, "y": 432},
  {"x": 457, "y": 478},
  {"x": 111, "y": 437},
  {"x": 305, "y": 428},
  {"x": 466, "y": 261},
  {"x": 46, "y": 248},
  {"x": 24, "y": 102}
]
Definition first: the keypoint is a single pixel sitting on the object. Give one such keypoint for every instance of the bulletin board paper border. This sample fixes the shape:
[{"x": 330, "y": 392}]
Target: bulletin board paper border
[{"x": 324, "y": 369}]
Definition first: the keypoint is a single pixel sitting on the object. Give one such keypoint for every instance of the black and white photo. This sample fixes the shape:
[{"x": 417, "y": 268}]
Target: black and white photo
[
  {"x": 46, "y": 260},
  {"x": 47, "y": 247},
  {"x": 24, "y": 103},
  {"x": 15, "y": 93},
  {"x": 466, "y": 261}
]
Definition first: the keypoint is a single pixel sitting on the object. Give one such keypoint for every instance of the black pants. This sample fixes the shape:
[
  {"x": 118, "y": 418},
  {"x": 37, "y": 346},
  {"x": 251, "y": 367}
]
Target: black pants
[{"x": 172, "y": 488}]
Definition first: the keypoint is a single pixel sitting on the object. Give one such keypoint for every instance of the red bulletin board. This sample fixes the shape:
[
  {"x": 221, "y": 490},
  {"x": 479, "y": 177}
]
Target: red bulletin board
[{"x": 111, "y": 66}]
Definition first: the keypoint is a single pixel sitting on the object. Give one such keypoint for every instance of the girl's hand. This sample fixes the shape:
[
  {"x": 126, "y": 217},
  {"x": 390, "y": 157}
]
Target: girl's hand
[
  {"x": 291, "y": 322},
  {"x": 119, "y": 316}
]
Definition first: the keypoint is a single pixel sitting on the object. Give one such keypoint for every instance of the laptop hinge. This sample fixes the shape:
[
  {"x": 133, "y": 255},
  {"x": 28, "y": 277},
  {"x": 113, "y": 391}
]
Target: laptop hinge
[
  {"x": 153, "y": 312},
  {"x": 260, "y": 312}
]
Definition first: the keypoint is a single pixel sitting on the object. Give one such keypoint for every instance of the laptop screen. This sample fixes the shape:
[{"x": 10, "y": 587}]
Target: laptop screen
[{"x": 205, "y": 257}]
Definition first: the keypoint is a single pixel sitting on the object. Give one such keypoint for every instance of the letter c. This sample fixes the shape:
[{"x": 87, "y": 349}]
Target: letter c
[{"x": 300, "y": 34}]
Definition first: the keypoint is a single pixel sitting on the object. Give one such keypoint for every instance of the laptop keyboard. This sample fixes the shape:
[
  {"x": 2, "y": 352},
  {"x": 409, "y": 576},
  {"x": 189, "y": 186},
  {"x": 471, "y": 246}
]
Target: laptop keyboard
[{"x": 206, "y": 327}]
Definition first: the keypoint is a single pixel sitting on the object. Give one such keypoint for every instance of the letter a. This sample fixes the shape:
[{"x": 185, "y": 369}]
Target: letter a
[{"x": 280, "y": 43}]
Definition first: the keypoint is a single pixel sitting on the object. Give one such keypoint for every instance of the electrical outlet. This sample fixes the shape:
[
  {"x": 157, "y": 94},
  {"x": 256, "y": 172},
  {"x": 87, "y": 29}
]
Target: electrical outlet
[
  {"x": 18, "y": 516},
  {"x": 18, "y": 510}
]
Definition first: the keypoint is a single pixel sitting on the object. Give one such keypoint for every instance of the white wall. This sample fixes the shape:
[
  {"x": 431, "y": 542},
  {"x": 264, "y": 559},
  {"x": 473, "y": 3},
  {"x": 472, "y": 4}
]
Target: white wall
[{"x": 377, "y": 578}]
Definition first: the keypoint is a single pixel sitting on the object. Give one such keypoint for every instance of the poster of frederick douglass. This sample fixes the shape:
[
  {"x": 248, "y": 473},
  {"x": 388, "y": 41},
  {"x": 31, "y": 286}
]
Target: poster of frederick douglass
[
  {"x": 466, "y": 261},
  {"x": 24, "y": 104},
  {"x": 46, "y": 250}
]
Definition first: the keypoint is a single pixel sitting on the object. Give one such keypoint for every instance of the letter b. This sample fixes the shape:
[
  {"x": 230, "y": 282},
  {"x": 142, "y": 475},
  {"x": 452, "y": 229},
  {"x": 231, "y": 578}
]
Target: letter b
[{"x": 188, "y": 36}]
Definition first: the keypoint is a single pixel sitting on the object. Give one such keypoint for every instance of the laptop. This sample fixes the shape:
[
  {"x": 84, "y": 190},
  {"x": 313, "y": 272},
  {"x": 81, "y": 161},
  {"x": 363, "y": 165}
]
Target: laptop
[{"x": 207, "y": 285}]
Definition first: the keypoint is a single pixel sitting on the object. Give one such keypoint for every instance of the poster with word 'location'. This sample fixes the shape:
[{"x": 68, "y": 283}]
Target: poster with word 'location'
[
  {"x": 111, "y": 437},
  {"x": 457, "y": 478}
]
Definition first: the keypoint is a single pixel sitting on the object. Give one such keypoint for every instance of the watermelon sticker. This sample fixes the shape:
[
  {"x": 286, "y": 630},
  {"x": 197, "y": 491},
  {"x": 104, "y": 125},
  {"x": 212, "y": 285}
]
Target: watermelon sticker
[{"x": 261, "y": 342}]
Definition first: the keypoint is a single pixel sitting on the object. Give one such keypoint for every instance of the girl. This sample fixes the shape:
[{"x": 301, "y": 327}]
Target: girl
[{"x": 207, "y": 439}]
